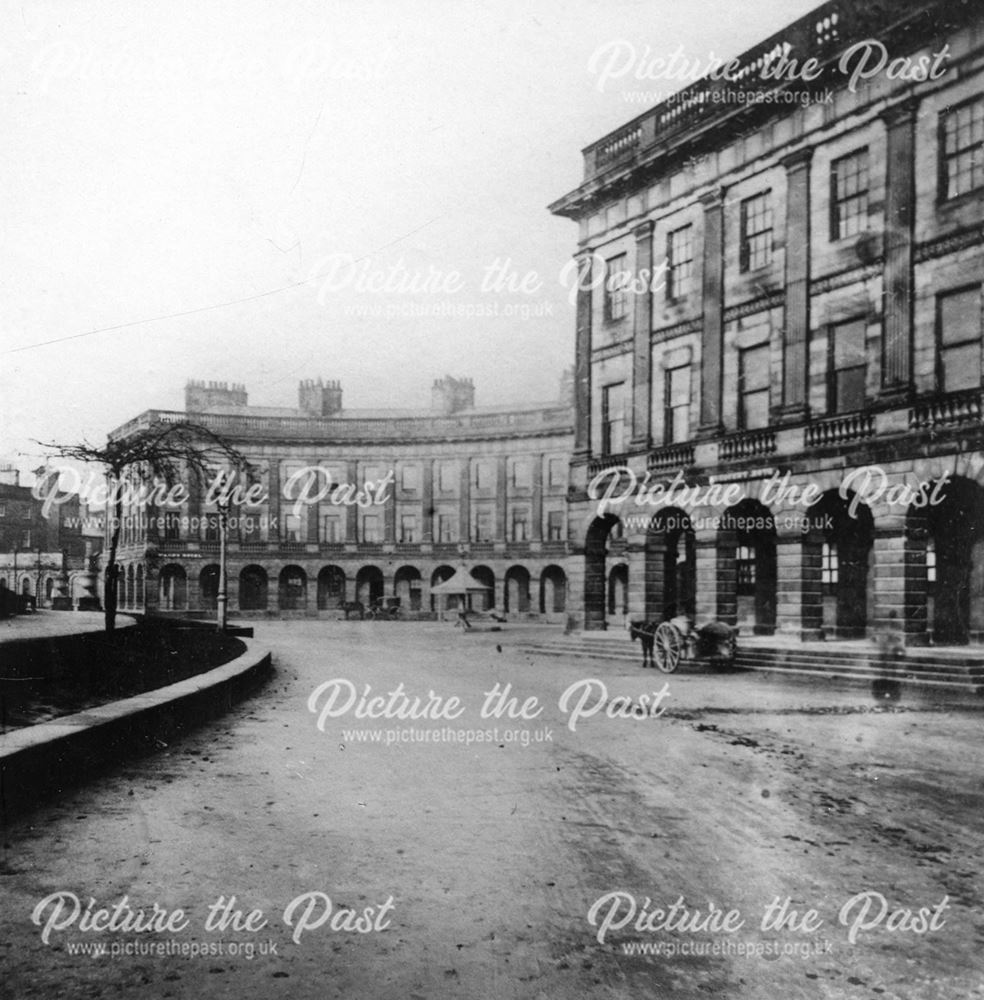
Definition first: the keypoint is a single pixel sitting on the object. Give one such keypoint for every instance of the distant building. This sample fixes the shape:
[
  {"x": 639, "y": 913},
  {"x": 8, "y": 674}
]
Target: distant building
[
  {"x": 46, "y": 556},
  {"x": 481, "y": 486},
  {"x": 785, "y": 277}
]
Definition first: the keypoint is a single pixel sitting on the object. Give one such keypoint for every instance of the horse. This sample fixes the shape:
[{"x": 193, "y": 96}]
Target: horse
[
  {"x": 646, "y": 633},
  {"x": 353, "y": 606}
]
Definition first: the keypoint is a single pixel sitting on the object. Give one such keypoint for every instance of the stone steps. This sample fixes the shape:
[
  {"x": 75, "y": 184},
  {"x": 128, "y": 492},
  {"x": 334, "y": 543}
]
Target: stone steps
[{"x": 943, "y": 669}]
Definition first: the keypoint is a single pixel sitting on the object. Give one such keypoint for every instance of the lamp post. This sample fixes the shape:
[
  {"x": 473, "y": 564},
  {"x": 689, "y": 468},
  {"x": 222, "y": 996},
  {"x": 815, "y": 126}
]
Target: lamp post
[{"x": 222, "y": 597}]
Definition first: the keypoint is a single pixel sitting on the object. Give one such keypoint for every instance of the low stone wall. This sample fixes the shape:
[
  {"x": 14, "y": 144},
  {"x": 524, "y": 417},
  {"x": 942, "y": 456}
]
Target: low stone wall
[{"x": 53, "y": 757}]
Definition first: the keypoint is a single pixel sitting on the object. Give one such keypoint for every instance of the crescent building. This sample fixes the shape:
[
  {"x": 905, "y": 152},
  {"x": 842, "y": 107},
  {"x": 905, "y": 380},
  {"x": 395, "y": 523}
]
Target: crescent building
[{"x": 362, "y": 505}]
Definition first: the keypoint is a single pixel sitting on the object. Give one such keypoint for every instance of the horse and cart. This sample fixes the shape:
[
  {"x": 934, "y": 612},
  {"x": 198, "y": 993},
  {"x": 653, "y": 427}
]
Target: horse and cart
[
  {"x": 381, "y": 609},
  {"x": 666, "y": 643}
]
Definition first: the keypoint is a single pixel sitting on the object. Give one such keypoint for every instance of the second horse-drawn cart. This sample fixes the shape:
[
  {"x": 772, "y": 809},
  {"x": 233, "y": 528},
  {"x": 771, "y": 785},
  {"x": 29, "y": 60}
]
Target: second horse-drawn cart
[{"x": 666, "y": 643}]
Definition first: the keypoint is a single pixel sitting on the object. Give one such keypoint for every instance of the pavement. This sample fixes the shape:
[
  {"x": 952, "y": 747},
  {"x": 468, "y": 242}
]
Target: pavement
[
  {"x": 45, "y": 624},
  {"x": 525, "y": 859}
]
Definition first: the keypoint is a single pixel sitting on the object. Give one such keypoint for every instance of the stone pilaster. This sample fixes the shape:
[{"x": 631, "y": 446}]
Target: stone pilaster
[
  {"x": 706, "y": 571},
  {"x": 799, "y": 597},
  {"x": 636, "y": 558},
  {"x": 351, "y": 513},
  {"x": 899, "y": 219},
  {"x": 501, "y": 513},
  {"x": 915, "y": 624},
  {"x": 464, "y": 503},
  {"x": 427, "y": 492},
  {"x": 389, "y": 510},
  {"x": 642, "y": 325},
  {"x": 712, "y": 336},
  {"x": 582, "y": 355},
  {"x": 797, "y": 326},
  {"x": 726, "y": 579},
  {"x": 654, "y": 583},
  {"x": 575, "y": 588},
  {"x": 274, "y": 534},
  {"x": 314, "y": 509},
  {"x": 889, "y": 565}
]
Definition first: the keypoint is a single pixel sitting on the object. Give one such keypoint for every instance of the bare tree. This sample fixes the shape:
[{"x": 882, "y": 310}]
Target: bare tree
[{"x": 162, "y": 453}]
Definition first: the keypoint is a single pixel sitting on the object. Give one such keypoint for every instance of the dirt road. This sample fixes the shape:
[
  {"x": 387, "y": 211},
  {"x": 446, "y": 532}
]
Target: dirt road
[{"x": 389, "y": 861}]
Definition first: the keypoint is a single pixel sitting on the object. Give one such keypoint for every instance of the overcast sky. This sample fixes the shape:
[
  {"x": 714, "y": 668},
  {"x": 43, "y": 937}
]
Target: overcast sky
[{"x": 160, "y": 159}]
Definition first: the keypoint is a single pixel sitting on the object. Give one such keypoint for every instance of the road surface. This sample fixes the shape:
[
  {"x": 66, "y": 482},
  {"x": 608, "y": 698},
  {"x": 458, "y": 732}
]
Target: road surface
[{"x": 527, "y": 859}]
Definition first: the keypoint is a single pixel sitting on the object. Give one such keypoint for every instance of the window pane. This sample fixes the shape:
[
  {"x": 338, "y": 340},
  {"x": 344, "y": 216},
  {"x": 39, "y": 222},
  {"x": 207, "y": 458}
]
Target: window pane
[
  {"x": 849, "y": 347},
  {"x": 849, "y": 390},
  {"x": 616, "y": 294},
  {"x": 756, "y": 232},
  {"x": 679, "y": 386},
  {"x": 679, "y": 262},
  {"x": 756, "y": 409},
  {"x": 961, "y": 367},
  {"x": 963, "y": 149},
  {"x": 483, "y": 526},
  {"x": 680, "y": 424},
  {"x": 960, "y": 316},
  {"x": 849, "y": 190},
  {"x": 612, "y": 419},
  {"x": 755, "y": 368}
]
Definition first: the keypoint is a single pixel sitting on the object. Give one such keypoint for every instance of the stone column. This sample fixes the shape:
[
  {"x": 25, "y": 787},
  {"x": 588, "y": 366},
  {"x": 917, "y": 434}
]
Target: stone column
[
  {"x": 389, "y": 511},
  {"x": 889, "y": 566},
  {"x": 642, "y": 325},
  {"x": 232, "y": 575},
  {"x": 712, "y": 339},
  {"x": 653, "y": 572},
  {"x": 427, "y": 493},
  {"x": 582, "y": 356},
  {"x": 726, "y": 578},
  {"x": 575, "y": 586},
  {"x": 464, "y": 503},
  {"x": 536, "y": 500},
  {"x": 275, "y": 530},
  {"x": 915, "y": 625},
  {"x": 499, "y": 591},
  {"x": 796, "y": 351},
  {"x": 706, "y": 573},
  {"x": 193, "y": 596},
  {"x": 351, "y": 513},
  {"x": 195, "y": 496},
  {"x": 501, "y": 522},
  {"x": 899, "y": 218},
  {"x": 636, "y": 558},
  {"x": 799, "y": 596},
  {"x": 314, "y": 510}
]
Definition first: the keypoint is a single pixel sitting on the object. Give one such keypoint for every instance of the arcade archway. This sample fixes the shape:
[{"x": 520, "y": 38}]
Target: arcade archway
[
  {"x": 670, "y": 583},
  {"x": 596, "y": 571}
]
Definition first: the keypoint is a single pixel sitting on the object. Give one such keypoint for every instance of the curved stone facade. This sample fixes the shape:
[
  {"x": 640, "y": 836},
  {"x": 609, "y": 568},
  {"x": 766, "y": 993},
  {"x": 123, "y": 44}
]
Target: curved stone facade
[{"x": 355, "y": 506}]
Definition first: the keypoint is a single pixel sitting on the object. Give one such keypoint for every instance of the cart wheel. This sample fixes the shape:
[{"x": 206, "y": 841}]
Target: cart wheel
[{"x": 667, "y": 647}]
